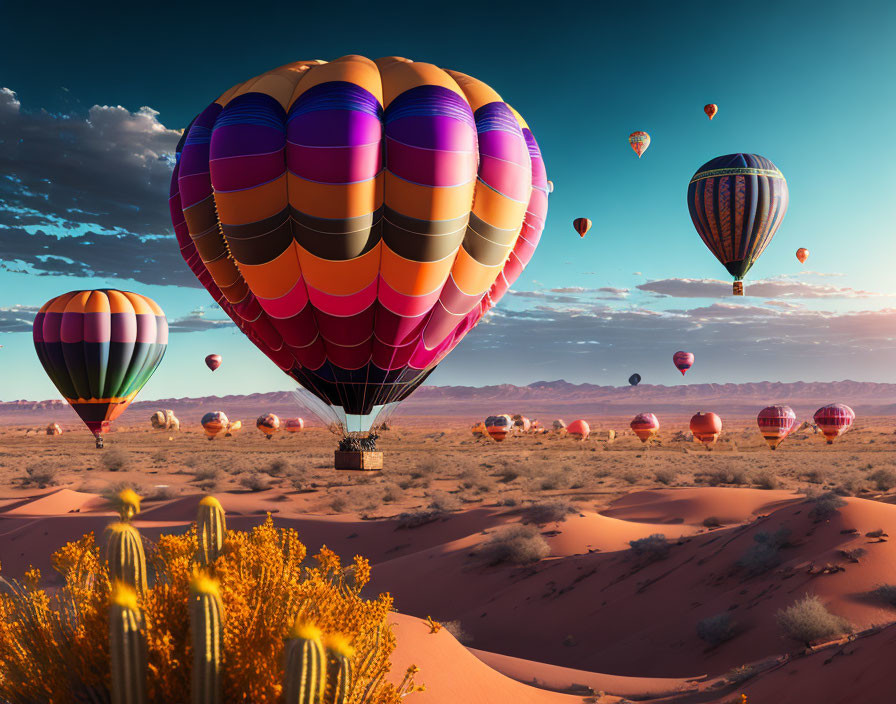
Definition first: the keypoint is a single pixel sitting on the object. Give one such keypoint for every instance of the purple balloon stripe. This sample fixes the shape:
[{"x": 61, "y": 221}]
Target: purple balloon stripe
[
  {"x": 335, "y": 128},
  {"x": 433, "y": 132},
  {"x": 250, "y": 171},
  {"x": 342, "y": 165},
  {"x": 430, "y": 167}
]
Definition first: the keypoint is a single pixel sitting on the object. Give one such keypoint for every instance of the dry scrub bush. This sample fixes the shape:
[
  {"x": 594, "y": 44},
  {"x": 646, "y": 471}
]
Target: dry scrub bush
[
  {"x": 255, "y": 481},
  {"x": 457, "y": 630},
  {"x": 650, "y": 549},
  {"x": 764, "y": 554},
  {"x": 40, "y": 474},
  {"x": 884, "y": 479},
  {"x": 885, "y": 593},
  {"x": 54, "y": 647},
  {"x": 115, "y": 459},
  {"x": 415, "y": 519},
  {"x": 550, "y": 511},
  {"x": 825, "y": 505},
  {"x": 665, "y": 475},
  {"x": 515, "y": 544},
  {"x": 807, "y": 621},
  {"x": 715, "y": 630},
  {"x": 766, "y": 479},
  {"x": 443, "y": 502}
]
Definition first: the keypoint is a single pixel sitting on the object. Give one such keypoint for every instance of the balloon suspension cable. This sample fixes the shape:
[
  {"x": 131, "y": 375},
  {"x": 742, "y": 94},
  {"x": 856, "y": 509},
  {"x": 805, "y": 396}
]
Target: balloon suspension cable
[{"x": 738, "y": 288}]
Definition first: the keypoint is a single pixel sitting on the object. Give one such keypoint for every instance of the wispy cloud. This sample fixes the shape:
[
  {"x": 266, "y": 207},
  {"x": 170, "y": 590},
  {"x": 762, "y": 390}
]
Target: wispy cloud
[
  {"x": 771, "y": 288},
  {"x": 17, "y": 318},
  {"x": 197, "y": 322}
]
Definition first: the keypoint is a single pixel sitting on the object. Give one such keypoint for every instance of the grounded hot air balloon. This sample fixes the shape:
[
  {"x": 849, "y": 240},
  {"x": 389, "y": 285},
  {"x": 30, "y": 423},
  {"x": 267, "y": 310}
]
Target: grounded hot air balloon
[
  {"x": 268, "y": 424},
  {"x": 99, "y": 348},
  {"x": 521, "y": 423},
  {"x": 213, "y": 423},
  {"x": 833, "y": 420},
  {"x": 579, "y": 429},
  {"x": 550, "y": 190},
  {"x": 639, "y": 141},
  {"x": 581, "y": 225},
  {"x": 711, "y": 109},
  {"x": 498, "y": 427},
  {"x": 479, "y": 430},
  {"x": 683, "y": 361},
  {"x": 164, "y": 420},
  {"x": 559, "y": 425},
  {"x": 356, "y": 219},
  {"x": 776, "y": 423},
  {"x": 634, "y": 379},
  {"x": 213, "y": 361},
  {"x": 293, "y": 425},
  {"x": 737, "y": 202},
  {"x": 645, "y": 426},
  {"x": 54, "y": 429},
  {"x": 706, "y": 428},
  {"x": 802, "y": 254},
  {"x": 232, "y": 427}
]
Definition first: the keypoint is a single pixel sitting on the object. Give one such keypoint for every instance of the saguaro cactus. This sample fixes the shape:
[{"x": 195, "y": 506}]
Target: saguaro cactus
[
  {"x": 211, "y": 529},
  {"x": 124, "y": 553},
  {"x": 127, "y": 647},
  {"x": 305, "y": 671},
  {"x": 339, "y": 669},
  {"x": 128, "y": 504},
  {"x": 206, "y": 612}
]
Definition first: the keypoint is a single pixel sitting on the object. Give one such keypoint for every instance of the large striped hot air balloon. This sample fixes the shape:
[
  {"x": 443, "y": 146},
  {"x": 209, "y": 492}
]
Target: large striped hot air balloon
[
  {"x": 683, "y": 361},
  {"x": 737, "y": 202},
  {"x": 645, "y": 426},
  {"x": 356, "y": 219},
  {"x": 99, "y": 348},
  {"x": 214, "y": 422},
  {"x": 833, "y": 420},
  {"x": 706, "y": 427},
  {"x": 776, "y": 423}
]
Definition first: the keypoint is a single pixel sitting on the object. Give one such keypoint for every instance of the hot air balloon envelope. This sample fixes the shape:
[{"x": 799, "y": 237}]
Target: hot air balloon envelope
[
  {"x": 99, "y": 348},
  {"x": 711, "y": 109},
  {"x": 645, "y": 426},
  {"x": 776, "y": 423},
  {"x": 498, "y": 427},
  {"x": 579, "y": 429},
  {"x": 834, "y": 419},
  {"x": 213, "y": 423},
  {"x": 268, "y": 424},
  {"x": 706, "y": 428},
  {"x": 213, "y": 361},
  {"x": 293, "y": 425},
  {"x": 736, "y": 203},
  {"x": 683, "y": 361},
  {"x": 639, "y": 142},
  {"x": 634, "y": 379},
  {"x": 581, "y": 225},
  {"x": 802, "y": 254}
]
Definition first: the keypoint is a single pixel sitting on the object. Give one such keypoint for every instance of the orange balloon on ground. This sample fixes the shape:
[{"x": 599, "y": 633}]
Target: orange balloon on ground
[
  {"x": 579, "y": 429},
  {"x": 711, "y": 109},
  {"x": 802, "y": 254},
  {"x": 498, "y": 427},
  {"x": 213, "y": 423},
  {"x": 706, "y": 427},
  {"x": 293, "y": 425},
  {"x": 645, "y": 426},
  {"x": 268, "y": 424},
  {"x": 479, "y": 430}
]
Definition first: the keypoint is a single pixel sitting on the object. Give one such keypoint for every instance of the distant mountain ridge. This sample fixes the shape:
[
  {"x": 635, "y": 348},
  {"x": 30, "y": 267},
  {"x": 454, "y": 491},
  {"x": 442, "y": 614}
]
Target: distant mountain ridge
[{"x": 539, "y": 399}]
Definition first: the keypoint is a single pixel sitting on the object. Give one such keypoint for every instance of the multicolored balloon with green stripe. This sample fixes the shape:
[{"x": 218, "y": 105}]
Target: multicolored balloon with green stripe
[{"x": 99, "y": 348}]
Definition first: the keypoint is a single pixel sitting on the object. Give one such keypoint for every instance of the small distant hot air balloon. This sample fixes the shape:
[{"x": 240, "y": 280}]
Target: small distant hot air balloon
[
  {"x": 293, "y": 425},
  {"x": 706, "y": 427},
  {"x": 737, "y": 202},
  {"x": 550, "y": 186},
  {"x": 579, "y": 429},
  {"x": 639, "y": 141},
  {"x": 683, "y": 361},
  {"x": 54, "y": 429},
  {"x": 232, "y": 427},
  {"x": 645, "y": 426},
  {"x": 776, "y": 423},
  {"x": 498, "y": 427},
  {"x": 99, "y": 348},
  {"x": 268, "y": 424},
  {"x": 581, "y": 225},
  {"x": 634, "y": 379},
  {"x": 213, "y": 423},
  {"x": 833, "y": 420},
  {"x": 802, "y": 254},
  {"x": 213, "y": 361},
  {"x": 559, "y": 425},
  {"x": 711, "y": 109}
]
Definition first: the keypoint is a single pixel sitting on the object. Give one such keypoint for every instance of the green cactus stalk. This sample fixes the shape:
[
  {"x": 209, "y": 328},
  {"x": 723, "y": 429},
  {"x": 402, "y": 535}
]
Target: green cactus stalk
[
  {"x": 127, "y": 647},
  {"x": 124, "y": 553},
  {"x": 339, "y": 670},
  {"x": 211, "y": 529},
  {"x": 127, "y": 503},
  {"x": 305, "y": 671},
  {"x": 206, "y": 613}
]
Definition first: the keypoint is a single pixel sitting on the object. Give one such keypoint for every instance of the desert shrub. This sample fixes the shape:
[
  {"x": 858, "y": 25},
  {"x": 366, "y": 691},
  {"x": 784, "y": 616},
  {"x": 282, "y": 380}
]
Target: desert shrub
[
  {"x": 877, "y": 533},
  {"x": 764, "y": 554},
  {"x": 740, "y": 674},
  {"x": 650, "y": 549},
  {"x": 338, "y": 503},
  {"x": 457, "y": 630},
  {"x": 825, "y": 505},
  {"x": 550, "y": 511},
  {"x": 816, "y": 476},
  {"x": 766, "y": 479},
  {"x": 851, "y": 485},
  {"x": 552, "y": 481},
  {"x": 715, "y": 630},
  {"x": 666, "y": 475},
  {"x": 507, "y": 474},
  {"x": 61, "y": 638},
  {"x": 726, "y": 475},
  {"x": 514, "y": 544},
  {"x": 115, "y": 459},
  {"x": 444, "y": 502},
  {"x": 278, "y": 467},
  {"x": 160, "y": 493},
  {"x": 415, "y": 519},
  {"x": 853, "y": 554},
  {"x": 807, "y": 620},
  {"x": 885, "y": 593},
  {"x": 255, "y": 481},
  {"x": 712, "y": 522},
  {"x": 509, "y": 500},
  {"x": 629, "y": 476},
  {"x": 206, "y": 473},
  {"x": 428, "y": 468},
  {"x": 391, "y": 492},
  {"x": 884, "y": 479},
  {"x": 40, "y": 474}
]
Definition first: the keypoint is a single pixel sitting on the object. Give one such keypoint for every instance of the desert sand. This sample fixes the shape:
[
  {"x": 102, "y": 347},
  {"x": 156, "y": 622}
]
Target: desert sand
[{"x": 575, "y": 614}]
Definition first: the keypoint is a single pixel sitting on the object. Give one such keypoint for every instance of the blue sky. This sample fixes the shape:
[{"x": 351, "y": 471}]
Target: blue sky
[{"x": 804, "y": 84}]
